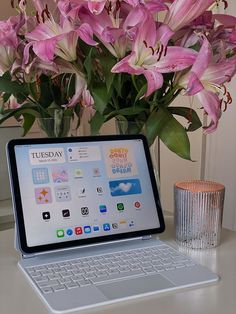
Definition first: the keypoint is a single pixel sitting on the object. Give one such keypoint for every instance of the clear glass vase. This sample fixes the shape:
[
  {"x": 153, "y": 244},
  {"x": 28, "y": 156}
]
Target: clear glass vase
[{"x": 50, "y": 127}]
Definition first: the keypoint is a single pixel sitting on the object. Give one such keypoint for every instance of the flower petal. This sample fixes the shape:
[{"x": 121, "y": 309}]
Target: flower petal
[
  {"x": 45, "y": 49},
  {"x": 176, "y": 59},
  {"x": 211, "y": 104},
  {"x": 182, "y": 12},
  {"x": 154, "y": 81},
  {"x": 221, "y": 72},
  {"x": 127, "y": 65},
  {"x": 86, "y": 34},
  {"x": 164, "y": 33},
  {"x": 96, "y": 6},
  {"x": 203, "y": 59},
  {"x": 226, "y": 19},
  {"x": 194, "y": 84},
  {"x": 80, "y": 86}
]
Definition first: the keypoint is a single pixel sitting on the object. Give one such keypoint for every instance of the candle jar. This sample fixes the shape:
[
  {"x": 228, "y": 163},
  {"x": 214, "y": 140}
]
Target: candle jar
[{"x": 198, "y": 213}]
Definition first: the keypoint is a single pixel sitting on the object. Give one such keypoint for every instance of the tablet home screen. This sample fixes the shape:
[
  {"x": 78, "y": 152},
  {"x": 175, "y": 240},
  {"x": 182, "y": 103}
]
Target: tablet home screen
[{"x": 72, "y": 191}]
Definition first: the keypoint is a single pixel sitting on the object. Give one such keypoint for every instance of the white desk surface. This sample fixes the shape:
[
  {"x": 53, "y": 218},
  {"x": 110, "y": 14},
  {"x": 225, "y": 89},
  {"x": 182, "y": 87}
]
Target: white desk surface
[{"x": 17, "y": 297}]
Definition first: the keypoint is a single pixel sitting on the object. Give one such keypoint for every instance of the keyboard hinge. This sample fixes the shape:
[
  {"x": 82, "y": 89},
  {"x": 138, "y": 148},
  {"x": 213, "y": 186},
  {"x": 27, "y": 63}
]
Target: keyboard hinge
[
  {"x": 147, "y": 237},
  {"x": 27, "y": 256}
]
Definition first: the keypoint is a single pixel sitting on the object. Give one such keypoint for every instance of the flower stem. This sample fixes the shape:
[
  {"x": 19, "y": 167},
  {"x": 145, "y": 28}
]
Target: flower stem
[{"x": 134, "y": 83}]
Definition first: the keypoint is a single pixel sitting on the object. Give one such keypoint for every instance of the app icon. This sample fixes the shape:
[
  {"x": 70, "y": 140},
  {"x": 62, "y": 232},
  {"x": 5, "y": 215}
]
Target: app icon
[
  {"x": 125, "y": 187},
  {"x": 40, "y": 175},
  {"x": 84, "y": 211},
  {"x": 123, "y": 223},
  {"x": 87, "y": 229},
  {"x": 82, "y": 192},
  {"x": 65, "y": 213},
  {"x": 102, "y": 208},
  {"x": 120, "y": 206},
  {"x": 43, "y": 195},
  {"x": 96, "y": 228},
  {"x": 96, "y": 172},
  {"x": 62, "y": 193},
  {"x": 137, "y": 205},
  {"x": 46, "y": 215},
  {"x": 78, "y": 173},
  {"x": 78, "y": 230},
  {"x": 106, "y": 227},
  {"x": 131, "y": 223},
  {"x": 99, "y": 190},
  {"x": 69, "y": 232},
  {"x": 60, "y": 233},
  {"x": 59, "y": 174},
  {"x": 115, "y": 225}
]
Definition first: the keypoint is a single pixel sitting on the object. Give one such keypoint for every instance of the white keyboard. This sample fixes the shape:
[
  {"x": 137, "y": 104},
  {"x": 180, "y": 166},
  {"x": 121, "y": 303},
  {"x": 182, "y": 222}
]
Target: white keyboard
[{"x": 100, "y": 269}]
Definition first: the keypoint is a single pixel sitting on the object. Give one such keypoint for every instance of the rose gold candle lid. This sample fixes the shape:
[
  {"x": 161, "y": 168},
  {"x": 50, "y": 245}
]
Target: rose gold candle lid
[{"x": 199, "y": 186}]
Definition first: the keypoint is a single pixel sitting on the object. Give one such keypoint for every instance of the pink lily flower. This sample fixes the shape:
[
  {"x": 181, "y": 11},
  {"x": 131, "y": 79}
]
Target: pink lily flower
[
  {"x": 153, "y": 6},
  {"x": 72, "y": 6},
  {"x": 49, "y": 39},
  {"x": 151, "y": 58},
  {"x": 206, "y": 81},
  {"x": 182, "y": 12},
  {"x": 9, "y": 41},
  {"x": 115, "y": 31}
]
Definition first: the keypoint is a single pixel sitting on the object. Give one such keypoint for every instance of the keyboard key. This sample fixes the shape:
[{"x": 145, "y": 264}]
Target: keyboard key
[
  {"x": 47, "y": 290},
  {"x": 65, "y": 280},
  {"x": 49, "y": 283},
  {"x": 77, "y": 277},
  {"x": 71, "y": 285},
  {"x": 59, "y": 288},
  {"x": 83, "y": 283}
]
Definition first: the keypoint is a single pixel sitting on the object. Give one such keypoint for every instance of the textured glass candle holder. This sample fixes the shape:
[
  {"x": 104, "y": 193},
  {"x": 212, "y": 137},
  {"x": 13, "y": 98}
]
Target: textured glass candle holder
[{"x": 198, "y": 213}]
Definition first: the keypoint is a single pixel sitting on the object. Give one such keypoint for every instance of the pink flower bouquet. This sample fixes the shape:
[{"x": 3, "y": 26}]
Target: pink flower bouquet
[{"x": 121, "y": 59}]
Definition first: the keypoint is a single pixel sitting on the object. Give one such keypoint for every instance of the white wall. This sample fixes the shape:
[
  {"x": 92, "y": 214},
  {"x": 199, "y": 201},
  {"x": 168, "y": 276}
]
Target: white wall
[{"x": 221, "y": 152}]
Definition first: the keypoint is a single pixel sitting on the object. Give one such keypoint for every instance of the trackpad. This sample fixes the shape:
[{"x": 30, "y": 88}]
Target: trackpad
[{"x": 125, "y": 288}]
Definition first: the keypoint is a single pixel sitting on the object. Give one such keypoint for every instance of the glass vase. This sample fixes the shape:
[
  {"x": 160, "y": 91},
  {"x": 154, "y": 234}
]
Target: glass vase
[{"x": 50, "y": 127}]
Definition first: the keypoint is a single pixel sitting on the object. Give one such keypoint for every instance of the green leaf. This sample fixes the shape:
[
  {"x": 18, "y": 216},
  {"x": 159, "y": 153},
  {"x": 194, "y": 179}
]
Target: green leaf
[
  {"x": 132, "y": 111},
  {"x": 101, "y": 97},
  {"x": 33, "y": 91},
  {"x": 117, "y": 83},
  {"x": 6, "y": 97},
  {"x": 88, "y": 65},
  {"x": 190, "y": 115},
  {"x": 17, "y": 112},
  {"x": 46, "y": 94},
  {"x": 107, "y": 64},
  {"x": 96, "y": 122},
  {"x": 12, "y": 87},
  {"x": 161, "y": 123},
  {"x": 141, "y": 92},
  {"x": 28, "y": 122}
]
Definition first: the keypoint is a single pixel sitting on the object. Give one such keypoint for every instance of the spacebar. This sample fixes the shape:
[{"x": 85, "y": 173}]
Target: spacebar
[{"x": 123, "y": 275}]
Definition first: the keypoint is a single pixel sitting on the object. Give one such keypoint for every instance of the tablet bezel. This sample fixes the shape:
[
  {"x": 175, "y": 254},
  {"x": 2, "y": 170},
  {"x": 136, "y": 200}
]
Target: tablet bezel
[{"x": 16, "y": 197}]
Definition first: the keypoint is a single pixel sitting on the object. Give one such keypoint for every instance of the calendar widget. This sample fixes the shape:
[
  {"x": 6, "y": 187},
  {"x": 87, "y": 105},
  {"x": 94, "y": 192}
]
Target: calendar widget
[{"x": 40, "y": 175}]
